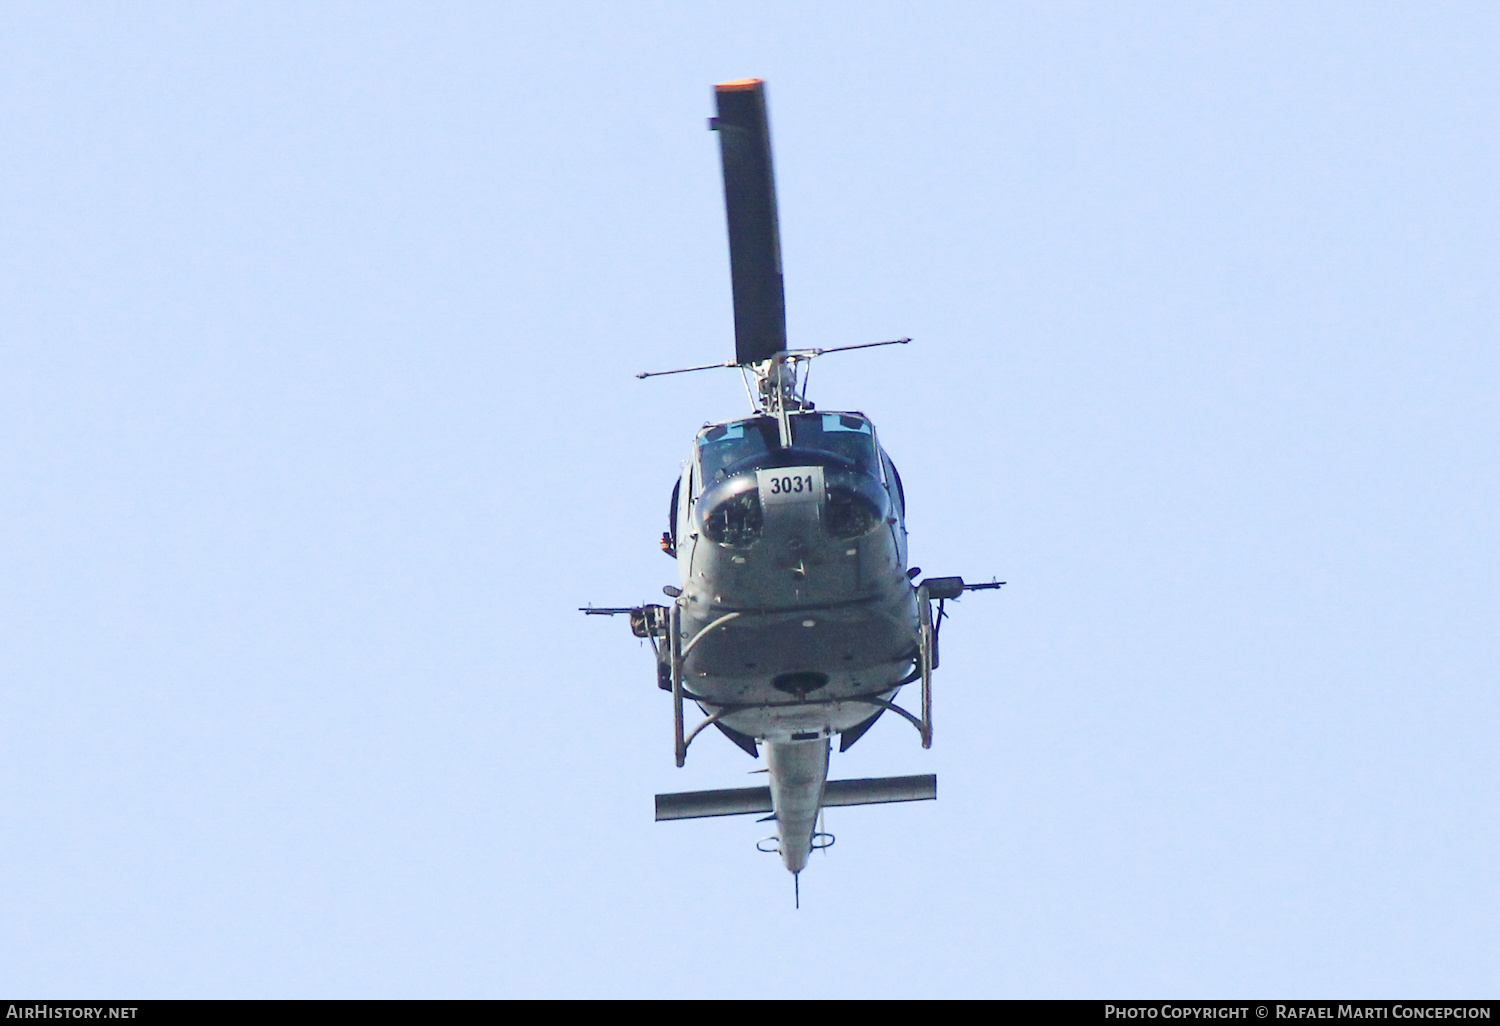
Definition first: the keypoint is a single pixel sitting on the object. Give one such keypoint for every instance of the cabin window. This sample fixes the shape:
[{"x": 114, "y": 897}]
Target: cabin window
[
  {"x": 894, "y": 477},
  {"x": 672, "y": 515}
]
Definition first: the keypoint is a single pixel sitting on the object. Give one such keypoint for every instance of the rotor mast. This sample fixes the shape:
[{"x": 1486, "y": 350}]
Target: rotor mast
[{"x": 780, "y": 390}]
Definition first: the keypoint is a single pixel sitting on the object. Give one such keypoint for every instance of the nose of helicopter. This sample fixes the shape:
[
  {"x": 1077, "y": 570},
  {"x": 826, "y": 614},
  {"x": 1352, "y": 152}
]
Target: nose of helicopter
[{"x": 792, "y": 487}]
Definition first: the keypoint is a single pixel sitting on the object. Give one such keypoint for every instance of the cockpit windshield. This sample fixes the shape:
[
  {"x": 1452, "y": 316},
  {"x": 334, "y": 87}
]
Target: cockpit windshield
[
  {"x": 726, "y": 444},
  {"x": 843, "y": 434}
]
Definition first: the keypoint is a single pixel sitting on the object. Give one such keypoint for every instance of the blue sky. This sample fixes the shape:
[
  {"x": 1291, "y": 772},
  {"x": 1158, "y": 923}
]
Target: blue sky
[{"x": 317, "y": 333}]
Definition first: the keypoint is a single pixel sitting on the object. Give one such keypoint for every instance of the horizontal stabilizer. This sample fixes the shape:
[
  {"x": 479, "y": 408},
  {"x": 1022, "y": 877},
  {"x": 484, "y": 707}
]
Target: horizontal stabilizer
[
  {"x": 875, "y": 790},
  {"x": 739, "y": 801},
  {"x": 742, "y": 801}
]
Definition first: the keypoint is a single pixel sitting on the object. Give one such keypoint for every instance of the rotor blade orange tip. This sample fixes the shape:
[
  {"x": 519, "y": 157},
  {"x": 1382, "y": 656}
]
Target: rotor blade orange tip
[{"x": 740, "y": 83}]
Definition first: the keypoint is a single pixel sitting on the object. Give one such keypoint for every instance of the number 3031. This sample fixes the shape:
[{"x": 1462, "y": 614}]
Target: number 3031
[{"x": 791, "y": 485}]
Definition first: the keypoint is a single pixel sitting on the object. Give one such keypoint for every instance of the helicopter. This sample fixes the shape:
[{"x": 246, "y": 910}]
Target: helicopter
[{"x": 796, "y": 617}]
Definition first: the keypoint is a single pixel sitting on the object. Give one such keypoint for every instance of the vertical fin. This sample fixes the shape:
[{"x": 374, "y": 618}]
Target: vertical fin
[{"x": 796, "y": 890}]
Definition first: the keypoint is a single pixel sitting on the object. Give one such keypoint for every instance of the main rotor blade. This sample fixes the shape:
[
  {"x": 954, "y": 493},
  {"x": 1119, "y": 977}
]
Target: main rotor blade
[{"x": 750, "y": 202}]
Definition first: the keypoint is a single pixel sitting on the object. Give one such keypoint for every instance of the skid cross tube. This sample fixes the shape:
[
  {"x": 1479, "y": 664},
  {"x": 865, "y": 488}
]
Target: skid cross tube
[
  {"x": 922, "y": 728},
  {"x": 679, "y": 653},
  {"x": 729, "y": 710},
  {"x": 926, "y": 651},
  {"x": 715, "y": 718}
]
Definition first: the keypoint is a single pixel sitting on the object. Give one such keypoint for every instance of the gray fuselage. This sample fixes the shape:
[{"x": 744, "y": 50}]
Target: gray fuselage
[{"x": 807, "y": 544}]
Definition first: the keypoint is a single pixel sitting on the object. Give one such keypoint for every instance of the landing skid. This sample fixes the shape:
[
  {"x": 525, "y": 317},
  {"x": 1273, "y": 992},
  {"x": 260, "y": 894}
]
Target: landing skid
[
  {"x": 654, "y": 622},
  {"x": 926, "y": 663}
]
